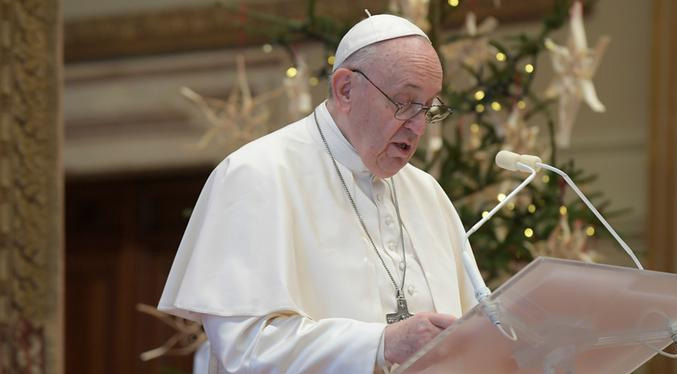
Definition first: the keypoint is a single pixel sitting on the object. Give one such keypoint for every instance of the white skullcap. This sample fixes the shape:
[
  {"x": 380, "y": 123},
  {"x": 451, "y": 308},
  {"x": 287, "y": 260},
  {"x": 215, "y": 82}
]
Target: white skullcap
[{"x": 374, "y": 29}]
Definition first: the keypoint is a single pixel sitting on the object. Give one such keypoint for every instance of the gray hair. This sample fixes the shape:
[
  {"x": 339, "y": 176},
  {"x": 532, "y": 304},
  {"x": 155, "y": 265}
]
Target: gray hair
[{"x": 362, "y": 57}]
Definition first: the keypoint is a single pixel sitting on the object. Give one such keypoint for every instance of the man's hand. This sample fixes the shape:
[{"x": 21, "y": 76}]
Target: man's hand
[{"x": 404, "y": 338}]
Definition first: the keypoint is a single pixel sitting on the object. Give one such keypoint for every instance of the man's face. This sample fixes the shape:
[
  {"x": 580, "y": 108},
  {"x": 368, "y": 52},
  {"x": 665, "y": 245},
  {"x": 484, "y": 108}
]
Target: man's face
[{"x": 410, "y": 72}]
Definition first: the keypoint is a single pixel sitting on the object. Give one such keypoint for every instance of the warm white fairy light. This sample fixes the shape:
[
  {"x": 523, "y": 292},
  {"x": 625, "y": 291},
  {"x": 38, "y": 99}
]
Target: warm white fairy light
[
  {"x": 267, "y": 48},
  {"x": 291, "y": 72},
  {"x": 454, "y": 2},
  {"x": 590, "y": 231},
  {"x": 546, "y": 179},
  {"x": 531, "y": 208},
  {"x": 479, "y": 108},
  {"x": 496, "y": 106},
  {"x": 563, "y": 210},
  {"x": 500, "y": 197},
  {"x": 479, "y": 95},
  {"x": 500, "y": 56},
  {"x": 485, "y": 214},
  {"x": 528, "y": 232},
  {"x": 331, "y": 59},
  {"x": 529, "y": 68}
]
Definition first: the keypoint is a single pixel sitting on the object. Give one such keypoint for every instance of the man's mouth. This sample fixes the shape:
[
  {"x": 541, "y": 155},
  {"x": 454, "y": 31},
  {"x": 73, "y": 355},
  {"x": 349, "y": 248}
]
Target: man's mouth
[{"x": 403, "y": 146}]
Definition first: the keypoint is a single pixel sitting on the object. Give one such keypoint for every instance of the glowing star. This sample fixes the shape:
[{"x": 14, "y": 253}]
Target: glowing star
[
  {"x": 414, "y": 10},
  {"x": 564, "y": 242},
  {"x": 297, "y": 88},
  {"x": 241, "y": 117},
  {"x": 519, "y": 137},
  {"x": 473, "y": 49},
  {"x": 574, "y": 67}
]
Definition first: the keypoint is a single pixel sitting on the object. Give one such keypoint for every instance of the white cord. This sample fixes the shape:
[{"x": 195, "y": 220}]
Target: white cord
[{"x": 594, "y": 210}]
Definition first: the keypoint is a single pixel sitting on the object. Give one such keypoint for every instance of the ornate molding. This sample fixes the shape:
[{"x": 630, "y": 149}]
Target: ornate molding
[
  {"x": 30, "y": 187},
  {"x": 216, "y": 27}
]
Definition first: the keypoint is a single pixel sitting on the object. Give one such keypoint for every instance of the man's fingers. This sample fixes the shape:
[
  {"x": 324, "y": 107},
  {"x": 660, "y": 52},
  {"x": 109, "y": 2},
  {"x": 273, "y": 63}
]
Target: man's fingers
[{"x": 441, "y": 321}]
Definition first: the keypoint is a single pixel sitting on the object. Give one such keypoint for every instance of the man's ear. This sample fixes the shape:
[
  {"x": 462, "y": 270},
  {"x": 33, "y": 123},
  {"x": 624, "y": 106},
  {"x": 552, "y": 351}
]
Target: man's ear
[{"x": 341, "y": 88}]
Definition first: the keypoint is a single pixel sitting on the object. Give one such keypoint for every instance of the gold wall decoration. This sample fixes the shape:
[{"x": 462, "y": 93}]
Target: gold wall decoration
[
  {"x": 31, "y": 192},
  {"x": 215, "y": 27}
]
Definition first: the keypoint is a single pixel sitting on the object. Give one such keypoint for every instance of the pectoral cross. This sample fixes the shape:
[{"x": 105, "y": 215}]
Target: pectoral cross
[{"x": 402, "y": 310}]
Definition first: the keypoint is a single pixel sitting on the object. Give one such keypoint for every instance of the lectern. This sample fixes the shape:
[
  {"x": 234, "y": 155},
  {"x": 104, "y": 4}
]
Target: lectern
[{"x": 568, "y": 317}]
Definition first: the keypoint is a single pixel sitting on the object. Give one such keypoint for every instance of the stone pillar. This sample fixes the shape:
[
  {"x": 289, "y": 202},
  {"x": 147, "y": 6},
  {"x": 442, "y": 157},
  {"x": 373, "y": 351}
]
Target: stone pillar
[{"x": 31, "y": 187}]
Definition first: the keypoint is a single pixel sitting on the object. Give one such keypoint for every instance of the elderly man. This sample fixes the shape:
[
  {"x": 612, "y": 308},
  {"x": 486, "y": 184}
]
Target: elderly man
[{"x": 318, "y": 248}]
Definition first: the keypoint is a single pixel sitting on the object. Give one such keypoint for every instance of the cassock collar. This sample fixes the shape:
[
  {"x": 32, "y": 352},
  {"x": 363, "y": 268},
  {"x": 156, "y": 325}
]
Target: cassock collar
[{"x": 342, "y": 150}]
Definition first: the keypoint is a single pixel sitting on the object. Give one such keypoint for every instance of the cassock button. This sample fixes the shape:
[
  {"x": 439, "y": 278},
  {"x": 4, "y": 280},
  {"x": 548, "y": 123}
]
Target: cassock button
[
  {"x": 411, "y": 290},
  {"x": 379, "y": 197},
  {"x": 389, "y": 220},
  {"x": 401, "y": 265},
  {"x": 392, "y": 246}
]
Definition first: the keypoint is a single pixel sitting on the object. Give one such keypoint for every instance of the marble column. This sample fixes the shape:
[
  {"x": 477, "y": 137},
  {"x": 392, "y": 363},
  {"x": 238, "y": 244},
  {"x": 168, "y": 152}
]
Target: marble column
[{"x": 31, "y": 187}]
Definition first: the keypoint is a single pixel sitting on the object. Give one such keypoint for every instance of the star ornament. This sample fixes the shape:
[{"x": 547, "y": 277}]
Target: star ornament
[
  {"x": 574, "y": 66},
  {"x": 474, "y": 49},
  {"x": 414, "y": 10},
  {"x": 239, "y": 118}
]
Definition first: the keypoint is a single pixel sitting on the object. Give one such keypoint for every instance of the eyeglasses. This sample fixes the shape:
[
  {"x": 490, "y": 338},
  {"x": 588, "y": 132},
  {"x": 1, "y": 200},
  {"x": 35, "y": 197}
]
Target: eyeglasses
[{"x": 434, "y": 113}]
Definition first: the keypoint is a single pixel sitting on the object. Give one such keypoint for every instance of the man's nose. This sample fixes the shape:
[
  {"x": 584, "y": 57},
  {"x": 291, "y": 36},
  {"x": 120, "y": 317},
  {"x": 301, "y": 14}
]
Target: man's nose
[{"x": 417, "y": 123}]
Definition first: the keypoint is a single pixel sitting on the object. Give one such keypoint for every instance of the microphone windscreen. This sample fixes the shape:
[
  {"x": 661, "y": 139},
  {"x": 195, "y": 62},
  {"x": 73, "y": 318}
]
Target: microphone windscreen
[
  {"x": 530, "y": 161},
  {"x": 507, "y": 160}
]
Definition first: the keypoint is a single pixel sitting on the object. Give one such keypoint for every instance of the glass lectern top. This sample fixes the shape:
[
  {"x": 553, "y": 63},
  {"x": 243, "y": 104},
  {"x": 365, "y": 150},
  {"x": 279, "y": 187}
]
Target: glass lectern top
[{"x": 569, "y": 316}]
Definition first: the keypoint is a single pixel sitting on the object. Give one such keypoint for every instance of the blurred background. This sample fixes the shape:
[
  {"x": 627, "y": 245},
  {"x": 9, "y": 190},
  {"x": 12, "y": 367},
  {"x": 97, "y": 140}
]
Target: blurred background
[{"x": 130, "y": 152}]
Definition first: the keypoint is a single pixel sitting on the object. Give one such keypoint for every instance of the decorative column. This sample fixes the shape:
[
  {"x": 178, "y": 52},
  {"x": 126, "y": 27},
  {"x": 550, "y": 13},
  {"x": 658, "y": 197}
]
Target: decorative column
[
  {"x": 662, "y": 152},
  {"x": 31, "y": 187}
]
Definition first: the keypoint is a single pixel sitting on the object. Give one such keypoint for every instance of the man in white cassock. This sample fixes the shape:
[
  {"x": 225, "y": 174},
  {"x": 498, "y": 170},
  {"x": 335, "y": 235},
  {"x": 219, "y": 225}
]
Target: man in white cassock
[{"x": 318, "y": 248}]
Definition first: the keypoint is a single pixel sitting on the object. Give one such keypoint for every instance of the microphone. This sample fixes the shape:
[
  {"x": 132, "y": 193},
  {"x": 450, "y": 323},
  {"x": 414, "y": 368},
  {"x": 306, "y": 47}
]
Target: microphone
[
  {"x": 511, "y": 160},
  {"x": 516, "y": 162}
]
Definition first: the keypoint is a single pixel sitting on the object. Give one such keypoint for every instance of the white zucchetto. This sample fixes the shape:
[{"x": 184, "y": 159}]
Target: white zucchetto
[{"x": 374, "y": 29}]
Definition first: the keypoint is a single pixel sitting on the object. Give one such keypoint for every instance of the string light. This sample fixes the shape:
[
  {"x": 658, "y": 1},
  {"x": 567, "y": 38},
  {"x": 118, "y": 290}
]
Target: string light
[
  {"x": 546, "y": 179},
  {"x": 521, "y": 104},
  {"x": 496, "y": 106},
  {"x": 485, "y": 214},
  {"x": 511, "y": 206},
  {"x": 454, "y": 2},
  {"x": 528, "y": 232},
  {"x": 313, "y": 81},
  {"x": 590, "y": 231},
  {"x": 331, "y": 59},
  {"x": 531, "y": 208},
  {"x": 529, "y": 68},
  {"x": 500, "y": 56},
  {"x": 291, "y": 72},
  {"x": 474, "y": 128},
  {"x": 500, "y": 197},
  {"x": 563, "y": 210},
  {"x": 267, "y": 48},
  {"x": 479, "y": 95},
  {"x": 479, "y": 108}
]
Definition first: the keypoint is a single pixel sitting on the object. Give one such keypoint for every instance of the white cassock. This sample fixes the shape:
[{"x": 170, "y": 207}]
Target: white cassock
[{"x": 277, "y": 267}]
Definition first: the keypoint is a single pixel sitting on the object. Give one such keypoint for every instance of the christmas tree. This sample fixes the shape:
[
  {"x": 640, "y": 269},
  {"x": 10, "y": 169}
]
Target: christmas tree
[{"x": 489, "y": 82}]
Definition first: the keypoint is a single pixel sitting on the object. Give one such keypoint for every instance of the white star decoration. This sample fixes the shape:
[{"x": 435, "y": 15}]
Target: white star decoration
[
  {"x": 414, "y": 10},
  {"x": 574, "y": 67},
  {"x": 241, "y": 117},
  {"x": 473, "y": 50}
]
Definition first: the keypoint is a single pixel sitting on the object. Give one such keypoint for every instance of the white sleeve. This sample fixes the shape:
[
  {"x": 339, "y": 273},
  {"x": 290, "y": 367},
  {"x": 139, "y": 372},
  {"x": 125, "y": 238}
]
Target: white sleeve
[{"x": 294, "y": 344}]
